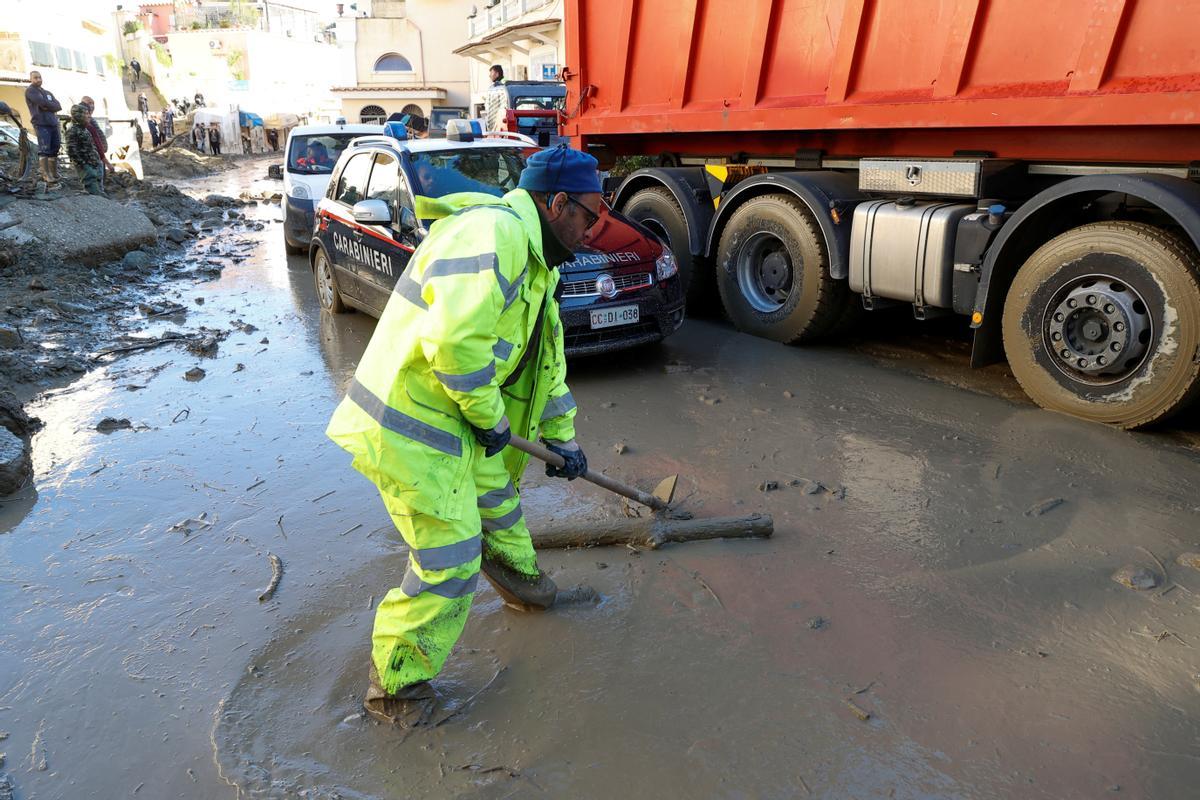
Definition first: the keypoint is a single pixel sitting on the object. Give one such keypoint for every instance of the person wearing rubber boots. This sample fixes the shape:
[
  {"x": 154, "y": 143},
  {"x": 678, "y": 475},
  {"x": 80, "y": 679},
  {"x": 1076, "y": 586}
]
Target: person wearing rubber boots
[{"x": 469, "y": 350}]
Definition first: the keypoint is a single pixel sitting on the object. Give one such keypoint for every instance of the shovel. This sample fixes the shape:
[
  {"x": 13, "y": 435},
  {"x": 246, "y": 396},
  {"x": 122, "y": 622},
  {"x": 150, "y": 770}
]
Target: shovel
[{"x": 659, "y": 500}]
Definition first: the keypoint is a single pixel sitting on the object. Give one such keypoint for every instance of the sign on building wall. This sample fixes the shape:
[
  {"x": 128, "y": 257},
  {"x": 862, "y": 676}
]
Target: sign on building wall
[
  {"x": 549, "y": 72},
  {"x": 12, "y": 53}
]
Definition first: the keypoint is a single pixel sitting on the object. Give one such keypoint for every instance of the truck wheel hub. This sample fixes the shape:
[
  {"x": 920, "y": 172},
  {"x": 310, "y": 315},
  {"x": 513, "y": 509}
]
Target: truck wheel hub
[
  {"x": 1098, "y": 328},
  {"x": 764, "y": 272}
]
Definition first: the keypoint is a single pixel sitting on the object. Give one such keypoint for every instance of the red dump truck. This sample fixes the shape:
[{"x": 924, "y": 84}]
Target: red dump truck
[{"x": 1032, "y": 165}]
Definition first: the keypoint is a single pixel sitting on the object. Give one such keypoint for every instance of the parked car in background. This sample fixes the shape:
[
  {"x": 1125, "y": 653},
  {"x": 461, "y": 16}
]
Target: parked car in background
[
  {"x": 623, "y": 288},
  {"x": 309, "y": 157}
]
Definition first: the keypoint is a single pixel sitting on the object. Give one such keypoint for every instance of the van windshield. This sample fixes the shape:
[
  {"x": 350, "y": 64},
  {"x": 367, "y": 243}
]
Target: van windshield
[
  {"x": 316, "y": 154},
  {"x": 493, "y": 171}
]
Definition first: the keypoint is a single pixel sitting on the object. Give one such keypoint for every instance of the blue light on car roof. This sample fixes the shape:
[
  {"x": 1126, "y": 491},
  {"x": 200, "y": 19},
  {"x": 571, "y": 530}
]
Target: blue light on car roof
[{"x": 396, "y": 130}]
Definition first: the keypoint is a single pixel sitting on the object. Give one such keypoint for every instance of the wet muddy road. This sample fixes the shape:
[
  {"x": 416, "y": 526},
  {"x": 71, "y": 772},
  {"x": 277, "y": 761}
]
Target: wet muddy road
[{"x": 942, "y": 566}]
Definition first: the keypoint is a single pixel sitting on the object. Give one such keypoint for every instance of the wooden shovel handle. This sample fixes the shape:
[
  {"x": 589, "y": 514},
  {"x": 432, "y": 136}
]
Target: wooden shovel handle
[{"x": 613, "y": 485}]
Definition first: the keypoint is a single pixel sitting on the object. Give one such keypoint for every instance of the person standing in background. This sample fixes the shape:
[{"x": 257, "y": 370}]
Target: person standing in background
[
  {"x": 82, "y": 150},
  {"x": 152, "y": 124},
  {"x": 143, "y": 105},
  {"x": 214, "y": 139},
  {"x": 98, "y": 139},
  {"x": 168, "y": 122},
  {"x": 43, "y": 113},
  {"x": 135, "y": 67}
]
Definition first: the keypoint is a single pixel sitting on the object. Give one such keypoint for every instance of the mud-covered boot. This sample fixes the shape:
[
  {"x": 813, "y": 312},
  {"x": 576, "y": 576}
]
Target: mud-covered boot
[
  {"x": 519, "y": 591},
  {"x": 405, "y": 705},
  {"x": 54, "y": 182}
]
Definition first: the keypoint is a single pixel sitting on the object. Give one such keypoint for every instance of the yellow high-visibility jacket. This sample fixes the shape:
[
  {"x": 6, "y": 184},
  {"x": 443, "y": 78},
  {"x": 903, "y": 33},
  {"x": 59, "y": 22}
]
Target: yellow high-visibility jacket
[{"x": 452, "y": 335}]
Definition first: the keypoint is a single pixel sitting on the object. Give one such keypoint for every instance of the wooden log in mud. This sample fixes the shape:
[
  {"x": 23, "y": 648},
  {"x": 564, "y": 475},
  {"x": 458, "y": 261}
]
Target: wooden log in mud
[{"x": 653, "y": 532}]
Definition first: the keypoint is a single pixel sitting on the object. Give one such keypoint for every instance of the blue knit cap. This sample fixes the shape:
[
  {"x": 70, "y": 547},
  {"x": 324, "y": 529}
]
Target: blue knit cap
[{"x": 561, "y": 169}]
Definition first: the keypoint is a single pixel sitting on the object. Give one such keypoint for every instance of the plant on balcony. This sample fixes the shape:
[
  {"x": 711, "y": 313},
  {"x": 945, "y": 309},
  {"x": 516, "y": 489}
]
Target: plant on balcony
[{"x": 131, "y": 26}]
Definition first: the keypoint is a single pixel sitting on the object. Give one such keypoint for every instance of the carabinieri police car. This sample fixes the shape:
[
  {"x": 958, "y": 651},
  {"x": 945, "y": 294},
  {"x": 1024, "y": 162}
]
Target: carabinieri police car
[{"x": 623, "y": 288}]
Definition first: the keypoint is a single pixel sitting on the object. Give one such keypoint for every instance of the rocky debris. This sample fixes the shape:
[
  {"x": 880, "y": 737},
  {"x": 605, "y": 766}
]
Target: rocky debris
[
  {"x": 194, "y": 374},
  {"x": 205, "y": 347},
  {"x": 1138, "y": 578},
  {"x": 110, "y": 424},
  {"x": 179, "y": 162},
  {"x": 36, "y": 285},
  {"x": 175, "y": 234},
  {"x": 10, "y": 337},
  {"x": 137, "y": 259},
  {"x": 709, "y": 401},
  {"x": 221, "y": 201},
  {"x": 788, "y": 395},
  {"x": 1189, "y": 560},
  {"x": 621, "y": 448},
  {"x": 84, "y": 228},
  {"x": 16, "y": 434},
  {"x": 818, "y": 623},
  {"x": 768, "y": 486},
  {"x": 1038, "y": 509},
  {"x": 676, "y": 367}
]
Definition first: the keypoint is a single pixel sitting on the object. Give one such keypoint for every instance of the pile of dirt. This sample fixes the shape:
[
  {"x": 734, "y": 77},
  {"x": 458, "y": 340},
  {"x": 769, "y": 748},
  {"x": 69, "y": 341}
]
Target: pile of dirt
[
  {"x": 175, "y": 161},
  {"x": 77, "y": 227}
]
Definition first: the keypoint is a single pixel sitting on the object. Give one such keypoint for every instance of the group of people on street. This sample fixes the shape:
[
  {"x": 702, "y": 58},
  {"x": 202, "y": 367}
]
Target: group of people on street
[
  {"x": 207, "y": 139},
  {"x": 87, "y": 146}
]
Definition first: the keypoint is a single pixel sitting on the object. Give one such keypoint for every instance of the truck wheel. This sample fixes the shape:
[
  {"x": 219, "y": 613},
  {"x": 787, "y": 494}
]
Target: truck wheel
[
  {"x": 773, "y": 272},
  {"x": 326, "y": 281},
  {"x": 659, "y": 211},
  {"x": 1103, "y": 322},
  {"x": 289, "y": 248}
]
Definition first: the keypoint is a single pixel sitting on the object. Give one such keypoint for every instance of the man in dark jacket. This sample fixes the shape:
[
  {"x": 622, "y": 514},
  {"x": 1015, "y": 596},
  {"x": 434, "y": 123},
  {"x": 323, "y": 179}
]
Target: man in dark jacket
[
  {"x": 135, "y": 67},
  {"x": 155, "y": 137},
  {"x": 43, "y": 112},
  {"x": 82, "y": 150},
  {"x": 98, "y": 138},
  {"x": 214, "y": 139}
]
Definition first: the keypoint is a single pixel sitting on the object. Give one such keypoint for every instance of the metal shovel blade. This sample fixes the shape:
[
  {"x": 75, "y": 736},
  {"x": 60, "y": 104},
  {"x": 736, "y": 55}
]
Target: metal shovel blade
[{"x": 665, "y": 490}]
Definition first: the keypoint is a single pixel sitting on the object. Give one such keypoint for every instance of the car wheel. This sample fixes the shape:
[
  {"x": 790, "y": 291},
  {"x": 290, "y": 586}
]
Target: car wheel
[
  {"x": 1103, "y": 322},
  {"x": 658, "y": 210},
  {"x": 773, "y": 272},
  {"x": 326, "y": 282}
]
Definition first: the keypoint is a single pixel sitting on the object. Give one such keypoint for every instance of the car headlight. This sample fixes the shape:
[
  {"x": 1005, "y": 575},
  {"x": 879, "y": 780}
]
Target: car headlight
[
  {"x": 300, "y": 192},
  {"x": 665, "y": 265}
]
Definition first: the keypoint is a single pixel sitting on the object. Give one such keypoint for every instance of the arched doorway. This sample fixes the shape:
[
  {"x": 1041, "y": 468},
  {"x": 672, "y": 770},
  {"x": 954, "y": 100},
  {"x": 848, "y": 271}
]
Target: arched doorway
[{"x": 372, "y": 115}]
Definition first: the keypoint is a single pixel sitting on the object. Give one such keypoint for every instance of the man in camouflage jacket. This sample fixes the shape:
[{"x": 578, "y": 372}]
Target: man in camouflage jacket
[{"x": 81, "y": 149}]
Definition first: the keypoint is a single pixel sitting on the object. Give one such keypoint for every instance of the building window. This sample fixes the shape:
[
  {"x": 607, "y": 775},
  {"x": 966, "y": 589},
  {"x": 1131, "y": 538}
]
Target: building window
[
  {"x": 372, "y": 115},
  {"x": 62, "y": 57},
  {"x": 42, "y": 54},
  {"x": 80, "y": 61},
  {"x": 99, "y": 66},
  {"x": 413, "y": 110},
  {"x": 393, "y": 62}
]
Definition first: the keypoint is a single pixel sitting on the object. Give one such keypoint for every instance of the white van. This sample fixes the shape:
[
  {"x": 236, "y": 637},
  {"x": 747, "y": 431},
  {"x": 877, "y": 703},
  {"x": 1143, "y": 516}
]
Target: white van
[{"x": 309, "y": 156}]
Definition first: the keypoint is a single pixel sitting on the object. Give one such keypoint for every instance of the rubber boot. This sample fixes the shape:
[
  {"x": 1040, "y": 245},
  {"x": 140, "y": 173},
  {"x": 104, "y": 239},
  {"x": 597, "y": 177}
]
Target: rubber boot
[
  {"x": 519, "y": 591},
  {"x": 396, "y": 709},
  {"x": 44, "y": 169},
  {"x": 54, "y": 182}
]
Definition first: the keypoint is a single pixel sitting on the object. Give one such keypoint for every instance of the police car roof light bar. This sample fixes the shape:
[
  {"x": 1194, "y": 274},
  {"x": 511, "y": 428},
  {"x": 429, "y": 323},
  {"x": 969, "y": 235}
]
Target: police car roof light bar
[
  {"x": 463, "y": 130},
  {"x": 396, "y": 130}
]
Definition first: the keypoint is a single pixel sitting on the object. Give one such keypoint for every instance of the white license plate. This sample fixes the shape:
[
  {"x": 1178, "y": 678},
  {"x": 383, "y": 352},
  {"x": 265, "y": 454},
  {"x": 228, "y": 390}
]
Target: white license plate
[{"x": 611, "y": 317}]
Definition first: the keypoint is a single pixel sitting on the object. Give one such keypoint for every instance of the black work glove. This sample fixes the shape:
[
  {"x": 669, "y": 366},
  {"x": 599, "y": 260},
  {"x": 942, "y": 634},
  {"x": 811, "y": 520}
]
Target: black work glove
[
  {"x": 576, "y": 461},
  {"x": 495, "y": 439}
]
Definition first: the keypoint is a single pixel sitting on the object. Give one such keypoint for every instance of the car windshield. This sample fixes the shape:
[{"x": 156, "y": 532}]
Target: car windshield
[
  {"x": 539, "y": 103},
  {"x": 492, "y": 170},
  {"x": 316, "y": 154}
]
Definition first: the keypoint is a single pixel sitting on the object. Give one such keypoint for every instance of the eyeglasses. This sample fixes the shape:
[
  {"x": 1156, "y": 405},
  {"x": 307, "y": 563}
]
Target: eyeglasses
[{"x": 592, "y": 216}]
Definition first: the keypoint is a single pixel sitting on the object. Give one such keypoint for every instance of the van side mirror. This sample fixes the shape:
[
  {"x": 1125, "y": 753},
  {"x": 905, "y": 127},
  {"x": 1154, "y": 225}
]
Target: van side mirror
[
  {"x": 408, "y": 220},
  {"x": 371, "y": 212}
]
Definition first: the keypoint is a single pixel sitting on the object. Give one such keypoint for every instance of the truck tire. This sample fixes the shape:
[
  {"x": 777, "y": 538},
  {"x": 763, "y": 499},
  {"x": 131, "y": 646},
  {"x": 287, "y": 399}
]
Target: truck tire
[
  {"x": 773, "y": 272},
  {"x": 1103, "y": 322},
  {"x": 658, "y": 210},
  {"x": 325, "y": 279},
  {"x": 289, "y": 248}
]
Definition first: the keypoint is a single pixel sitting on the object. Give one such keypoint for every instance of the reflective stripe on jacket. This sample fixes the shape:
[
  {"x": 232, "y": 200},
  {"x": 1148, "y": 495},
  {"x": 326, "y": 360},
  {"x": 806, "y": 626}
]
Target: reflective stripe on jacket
[{"x": 452, "y": 334}]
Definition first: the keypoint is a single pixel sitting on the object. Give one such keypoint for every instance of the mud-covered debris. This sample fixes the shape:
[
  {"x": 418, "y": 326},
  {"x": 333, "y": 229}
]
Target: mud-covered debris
[
  {"x": 6, "y": 787},
  {"x": 818, "y": 623},
  {"x": 576, "y": 594},
  {"x": 175, "y": 234},
  {"x": 768, "y": 486},
  {"x": 16, "y": 468},
  {"x": 190, "y": 525},
  {"x": 676, "y": 367},
  {"x": 264, "y": 340},
  {"x": 788, "y": 394},
  {"x": 194, "y": 374},
  {"x": 711, "y": 401},
  {"x": 1044, "y": 506},
  {"x": 620, "y": 448},
  {"x": 276, "y": 576},
  {"x": 10, "y": 337},
  {"x": 137, "y": 260},
  {"x": 858, "y": 711},
  {"x": 1189, "y": 560},
  {"x": 110, "y": 424},
  {"x": 1138, "y": 578},
  {"x": 198, "y": 301},
  {"x": 37, "y": 285},
  {"x": 205, "y": 347},
  {"x": 239, "y": 367},
  {"x": 165, "y": 309},
  {"x": 608, "y": 405}
]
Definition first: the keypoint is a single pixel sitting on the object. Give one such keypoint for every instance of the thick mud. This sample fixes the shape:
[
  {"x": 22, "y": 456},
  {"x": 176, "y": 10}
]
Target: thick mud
[{"x": 936, "y": 615}]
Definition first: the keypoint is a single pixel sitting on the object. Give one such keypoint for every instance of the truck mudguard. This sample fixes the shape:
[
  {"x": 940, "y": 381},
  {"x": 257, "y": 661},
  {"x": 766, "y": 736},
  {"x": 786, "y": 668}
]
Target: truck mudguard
[
  {"x": 690, "y": 188},
  {"x": 829, "y": 196},
  {"x": 1049, "y": 213}
]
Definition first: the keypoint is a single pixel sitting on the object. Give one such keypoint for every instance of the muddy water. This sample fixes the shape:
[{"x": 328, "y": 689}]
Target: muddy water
[{"x": 918, "y": 571}]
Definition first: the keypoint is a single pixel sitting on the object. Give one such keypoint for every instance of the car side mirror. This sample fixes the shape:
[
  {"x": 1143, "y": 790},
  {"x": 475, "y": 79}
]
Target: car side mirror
[
  {"x": 408, "y": 220},
  {"x": 371, "y": 212}
]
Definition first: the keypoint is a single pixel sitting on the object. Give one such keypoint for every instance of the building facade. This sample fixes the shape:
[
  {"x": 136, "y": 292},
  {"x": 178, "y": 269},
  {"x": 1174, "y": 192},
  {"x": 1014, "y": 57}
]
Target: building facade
[
  {"x": 525, "y": 37},
  {"x": 73, "y": 48},
  {"x": 399, "y": 58}
]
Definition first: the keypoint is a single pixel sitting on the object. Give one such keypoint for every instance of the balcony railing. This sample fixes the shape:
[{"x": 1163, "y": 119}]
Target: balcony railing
[{"x": 506, "y": 12}]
